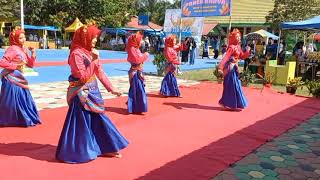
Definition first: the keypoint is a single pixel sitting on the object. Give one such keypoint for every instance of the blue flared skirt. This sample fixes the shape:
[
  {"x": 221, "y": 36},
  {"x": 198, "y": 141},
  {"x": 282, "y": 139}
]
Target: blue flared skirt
[
  {"x": 169, "y": 86},
  {"x": 17, "y": 107},
  {"x": 86, "y": 134},
  {"x": 137, "y": 97},
  {"x": 233, "y": 96}
]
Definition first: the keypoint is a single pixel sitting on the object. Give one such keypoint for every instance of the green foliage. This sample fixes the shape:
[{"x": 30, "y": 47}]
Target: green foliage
[
  {"x": 247, "y": 77},
  {"x": 314, "y": 88},
  {"x": 160, "y": 62},
  {"x": 295, "y": 82},
  {"x": 5, "y": 41},
  {"x": 156, "y": 9},
  {"x": 217, "y": 74},
  {"x": 292, "y": 10},
  {"x": 268, "y": 78},
  {"x": 9, "y": 9},
  {"x": 60, "y": 13}
]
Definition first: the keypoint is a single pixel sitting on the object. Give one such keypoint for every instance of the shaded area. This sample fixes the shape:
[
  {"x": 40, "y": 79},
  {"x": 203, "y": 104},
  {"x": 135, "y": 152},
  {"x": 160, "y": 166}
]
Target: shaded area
[
  {"x": 42, "y": 152},
  {"x": 193, "y": 106}
]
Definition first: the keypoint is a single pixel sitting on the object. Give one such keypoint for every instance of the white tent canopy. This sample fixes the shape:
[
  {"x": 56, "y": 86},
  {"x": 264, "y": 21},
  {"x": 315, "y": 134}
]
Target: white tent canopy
[{"x": 262, "y": 34}]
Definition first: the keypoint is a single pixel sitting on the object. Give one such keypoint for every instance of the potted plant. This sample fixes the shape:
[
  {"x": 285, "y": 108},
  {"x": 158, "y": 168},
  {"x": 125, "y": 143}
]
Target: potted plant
[
  {"x": 6, "y": 43},
  {"x": 267, "y": 79},
  {"x": 218, "y": 75},
  {"x": 160, "y": 62},
  {"x": 293, "y": 85},
  {"x": 246, "y": 78},
  {"x": 314, "y": 88}
]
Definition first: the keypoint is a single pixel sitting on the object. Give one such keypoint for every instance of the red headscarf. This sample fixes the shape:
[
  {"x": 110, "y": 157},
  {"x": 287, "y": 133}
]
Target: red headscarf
[
  {"x": 233, "y": 37},
  {"x": 14, "y": 37},
  {"x": 169, "y": 42},
  {"x": 83, "y": 36},
  {"x": 135, "y": 40}
]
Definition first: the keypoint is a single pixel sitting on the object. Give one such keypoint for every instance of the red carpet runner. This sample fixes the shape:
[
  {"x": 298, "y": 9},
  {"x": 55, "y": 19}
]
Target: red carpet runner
[{"x": 180, "y": 138}]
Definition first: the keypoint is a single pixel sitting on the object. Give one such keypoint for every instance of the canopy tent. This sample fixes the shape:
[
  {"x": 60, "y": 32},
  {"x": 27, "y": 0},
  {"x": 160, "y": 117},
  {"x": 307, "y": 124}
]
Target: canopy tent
[
  {"x": 262, "y": 35},
  {"x": 114, "y": 31},
  {"x": 312, "y": 24},
  {"x": 74, "y": 26},
  {"x": 154, "y": 33},
  {"x": 45, "y": 43},
  {"x": 125, "y": 31},
  {"x": 48, "y": 28}
]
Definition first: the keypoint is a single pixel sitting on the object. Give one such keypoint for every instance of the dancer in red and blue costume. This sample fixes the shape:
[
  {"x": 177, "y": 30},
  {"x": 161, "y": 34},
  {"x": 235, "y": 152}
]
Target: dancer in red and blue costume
[
  {"x": 17, "y": 107},
  {"x": 169, "y": 85},
  {"x": 87, "y": 132},
  {"x": 137, "y": 97},
  {"x": 233, "y": 97}
]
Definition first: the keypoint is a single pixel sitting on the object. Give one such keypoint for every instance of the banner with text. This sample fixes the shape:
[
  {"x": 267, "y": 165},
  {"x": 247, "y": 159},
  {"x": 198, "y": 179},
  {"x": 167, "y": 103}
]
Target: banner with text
[{"x": 203, "y": 8}]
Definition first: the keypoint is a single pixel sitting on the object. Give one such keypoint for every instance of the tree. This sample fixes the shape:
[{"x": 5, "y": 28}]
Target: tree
[
  {"x": 9, "y": 9},
  {"x": 62, "y": 12},
  {"x": 156, "y": 9},
  {"x": 292, "y": 10},
  {"x": 112, "y": 13}
]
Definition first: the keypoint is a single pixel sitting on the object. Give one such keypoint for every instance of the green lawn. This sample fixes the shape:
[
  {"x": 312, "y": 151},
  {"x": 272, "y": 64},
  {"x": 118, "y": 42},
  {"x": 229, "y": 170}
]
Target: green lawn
[{"x": 207, "y": 75}]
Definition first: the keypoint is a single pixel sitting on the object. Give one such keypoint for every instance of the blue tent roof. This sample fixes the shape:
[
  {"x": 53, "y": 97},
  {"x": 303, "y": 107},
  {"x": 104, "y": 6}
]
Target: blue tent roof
[
  {"x": 49, "y": 28},
  {"x": 309, "y": 24},
  {"x": 156, "y": 33},
  {"x": 118, "y": 31}
]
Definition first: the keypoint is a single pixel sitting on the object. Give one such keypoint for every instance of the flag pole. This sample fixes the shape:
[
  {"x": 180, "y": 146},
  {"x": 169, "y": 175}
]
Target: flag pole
[
  {"x": 230, "y": 22},
  {"x": 22, "y": 14}
]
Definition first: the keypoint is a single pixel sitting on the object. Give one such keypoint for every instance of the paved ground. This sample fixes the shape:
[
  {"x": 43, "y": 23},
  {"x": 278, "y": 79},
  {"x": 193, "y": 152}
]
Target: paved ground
[
  {"x": 294, "y": 155},
  {"x": 53, "y": 95}
]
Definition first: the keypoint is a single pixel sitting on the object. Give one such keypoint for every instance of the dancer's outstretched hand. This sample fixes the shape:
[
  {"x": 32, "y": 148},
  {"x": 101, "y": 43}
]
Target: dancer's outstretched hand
[{"x": 116, "y": 92}]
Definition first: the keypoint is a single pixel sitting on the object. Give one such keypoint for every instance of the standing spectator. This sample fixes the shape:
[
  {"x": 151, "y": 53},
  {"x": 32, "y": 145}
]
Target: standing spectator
[
  {"x": 193, "y": 46},
  {"x": 185, "y": 50},
  {"x": 157, "y": 44},
  {"x": 205, "y": 51},
  {"x": 215, "y": 45},
  {"x": 162, "y": 44},
  {"x": 282, "y": 52},
  {"x": 147, "y": 44},
  {"x": 271, "y": 49},
  {"x": 30, "y": 37}
]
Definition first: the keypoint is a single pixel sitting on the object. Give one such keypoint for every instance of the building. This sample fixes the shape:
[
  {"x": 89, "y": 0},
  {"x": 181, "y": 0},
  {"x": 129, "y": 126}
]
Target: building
[{"x": 247, "y": 15}]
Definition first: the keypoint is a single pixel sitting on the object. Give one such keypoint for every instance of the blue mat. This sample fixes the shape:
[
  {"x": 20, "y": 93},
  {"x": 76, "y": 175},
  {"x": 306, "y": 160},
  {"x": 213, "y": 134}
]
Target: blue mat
[
  {"x": 62, "y": 54},
  {"x": 61, "y": 73}
]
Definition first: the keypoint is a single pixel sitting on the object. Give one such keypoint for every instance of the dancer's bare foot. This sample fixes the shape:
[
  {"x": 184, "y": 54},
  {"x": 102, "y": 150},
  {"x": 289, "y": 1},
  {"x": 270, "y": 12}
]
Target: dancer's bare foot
[
  {"x": 138, "y": 113},
  {"x": 226, "y": 108},
  {"x": 112, "y": 155}
]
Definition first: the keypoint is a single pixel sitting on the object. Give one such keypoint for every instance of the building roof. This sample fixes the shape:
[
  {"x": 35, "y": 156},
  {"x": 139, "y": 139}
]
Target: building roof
[
  {"x": 134, "y": 24},
  {"x": 207, "y": 27},
  {"x": 246, "y": 12}
]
